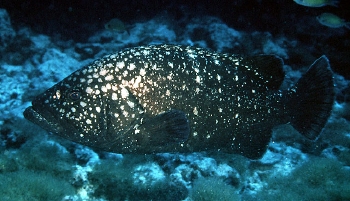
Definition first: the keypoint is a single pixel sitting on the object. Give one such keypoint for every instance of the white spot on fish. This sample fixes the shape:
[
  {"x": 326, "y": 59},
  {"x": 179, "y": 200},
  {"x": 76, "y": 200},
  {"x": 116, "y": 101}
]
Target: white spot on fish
[
  {"x": 171, "y": 65},
  {"x": 120, "y": 65},
  {"x": 170, "y": 76},
  {"x": 83, "y": 104},
  {"x": 125, "y": 73},
  {"x": 88, "y": 90},
  {"x": 103, "y": 72},
  {"x": 137, "y": 82},
  {"x": 191, "y": 54},
  {"x": 131, "y": 66},
  {"x": 131, "y": 104},
  {"x": 104, "y": 89},
  {"x": 142, "y": 72},
  {"x": 57, "y": 95},
  {"x": 195, "y": 111},
  {"x": 114, "y": 96},
  {"x": 108, "y": 86},
  {"x": 198, "y": 79},
  {"x": 109, "y": 77},
  {"x": 197, "y": 90},
  {"x": 124, "y": 92},
  {"x": 125, "y": 113},
  {"x": 145, "y": 52},
  {"x": 167, "y": 92}
]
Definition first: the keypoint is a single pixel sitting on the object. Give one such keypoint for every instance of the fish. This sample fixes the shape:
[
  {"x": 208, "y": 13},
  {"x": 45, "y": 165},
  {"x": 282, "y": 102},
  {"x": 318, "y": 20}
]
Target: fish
[
  {"x": 182, "y": 99},
  {"x": 317, "y": 3},
  {"x": 332, "y": 21},
  {"x": 116, "y": 25}
]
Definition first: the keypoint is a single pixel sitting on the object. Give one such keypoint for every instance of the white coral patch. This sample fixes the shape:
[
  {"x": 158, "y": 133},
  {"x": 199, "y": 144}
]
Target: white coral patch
[{"x": 148, "y": 174}]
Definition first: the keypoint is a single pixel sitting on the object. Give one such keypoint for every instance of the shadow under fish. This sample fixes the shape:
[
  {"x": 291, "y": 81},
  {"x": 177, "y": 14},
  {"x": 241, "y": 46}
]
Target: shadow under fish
[{"x": 168, "y": 98}]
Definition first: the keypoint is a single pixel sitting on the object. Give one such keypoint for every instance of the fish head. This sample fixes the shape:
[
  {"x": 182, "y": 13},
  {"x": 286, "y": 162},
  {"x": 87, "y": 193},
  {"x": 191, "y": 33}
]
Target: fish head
[
  {"x": 85, "y": 107},
  {"x": 62, "y": 108}
]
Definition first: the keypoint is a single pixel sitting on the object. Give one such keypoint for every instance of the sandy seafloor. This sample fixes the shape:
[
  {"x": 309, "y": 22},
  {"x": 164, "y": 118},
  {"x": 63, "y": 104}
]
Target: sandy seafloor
[{"x": 35, "y": 165}]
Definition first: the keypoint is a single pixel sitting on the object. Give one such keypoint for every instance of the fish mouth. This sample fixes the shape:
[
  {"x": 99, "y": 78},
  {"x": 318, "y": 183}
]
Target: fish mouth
[{"x": 43, "y": 119}]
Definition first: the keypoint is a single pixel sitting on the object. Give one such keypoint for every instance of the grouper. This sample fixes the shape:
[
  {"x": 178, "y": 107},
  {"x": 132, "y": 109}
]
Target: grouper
[{"x": 169, "y": 98}]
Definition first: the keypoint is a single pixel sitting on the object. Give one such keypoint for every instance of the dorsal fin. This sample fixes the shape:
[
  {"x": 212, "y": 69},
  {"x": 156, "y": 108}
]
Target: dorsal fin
[{"x": 266, "y": 70}]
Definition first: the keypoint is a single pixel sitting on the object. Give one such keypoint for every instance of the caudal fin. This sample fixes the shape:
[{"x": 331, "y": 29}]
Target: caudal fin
[{"x": 311, "y": 99}]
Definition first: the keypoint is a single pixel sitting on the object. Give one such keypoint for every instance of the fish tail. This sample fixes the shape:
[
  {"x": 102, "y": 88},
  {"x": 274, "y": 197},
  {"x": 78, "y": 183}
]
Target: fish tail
[{"x": 310, "y": 101}]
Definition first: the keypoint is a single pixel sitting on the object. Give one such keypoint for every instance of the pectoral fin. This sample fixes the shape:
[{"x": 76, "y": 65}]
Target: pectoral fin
[{"x": 168, "y": 127}]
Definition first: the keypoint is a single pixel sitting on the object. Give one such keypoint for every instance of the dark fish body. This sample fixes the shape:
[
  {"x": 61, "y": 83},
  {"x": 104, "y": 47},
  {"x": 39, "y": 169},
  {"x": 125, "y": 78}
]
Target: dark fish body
[{"x": 182, "y": 99}]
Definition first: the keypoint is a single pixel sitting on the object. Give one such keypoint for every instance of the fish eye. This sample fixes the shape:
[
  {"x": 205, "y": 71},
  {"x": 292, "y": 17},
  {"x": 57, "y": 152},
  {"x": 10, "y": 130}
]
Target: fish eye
[{"x": 74, "y": 95}]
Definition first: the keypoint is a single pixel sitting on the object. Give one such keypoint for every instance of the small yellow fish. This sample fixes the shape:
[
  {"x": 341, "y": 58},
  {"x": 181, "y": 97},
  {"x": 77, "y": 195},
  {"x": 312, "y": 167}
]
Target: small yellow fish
[
  {"x": 332, "y": 21},
  {"x": 117, "y": 25},
  {"x": 317, "y": 3}
]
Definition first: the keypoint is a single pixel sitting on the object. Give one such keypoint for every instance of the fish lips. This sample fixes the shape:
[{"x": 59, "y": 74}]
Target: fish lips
[
  {"x": 47, "y": 118},
  {"x": 43, "y": 119}
]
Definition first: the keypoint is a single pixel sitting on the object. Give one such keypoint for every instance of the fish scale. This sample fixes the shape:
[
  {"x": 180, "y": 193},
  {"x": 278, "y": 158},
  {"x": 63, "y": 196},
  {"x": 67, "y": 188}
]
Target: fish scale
[{"x": 168, "y": 98}]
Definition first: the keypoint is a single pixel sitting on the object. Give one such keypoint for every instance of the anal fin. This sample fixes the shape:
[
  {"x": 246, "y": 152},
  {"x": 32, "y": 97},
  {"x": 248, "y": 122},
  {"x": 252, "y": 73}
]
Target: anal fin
[{"x": 253, "y": 141}]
